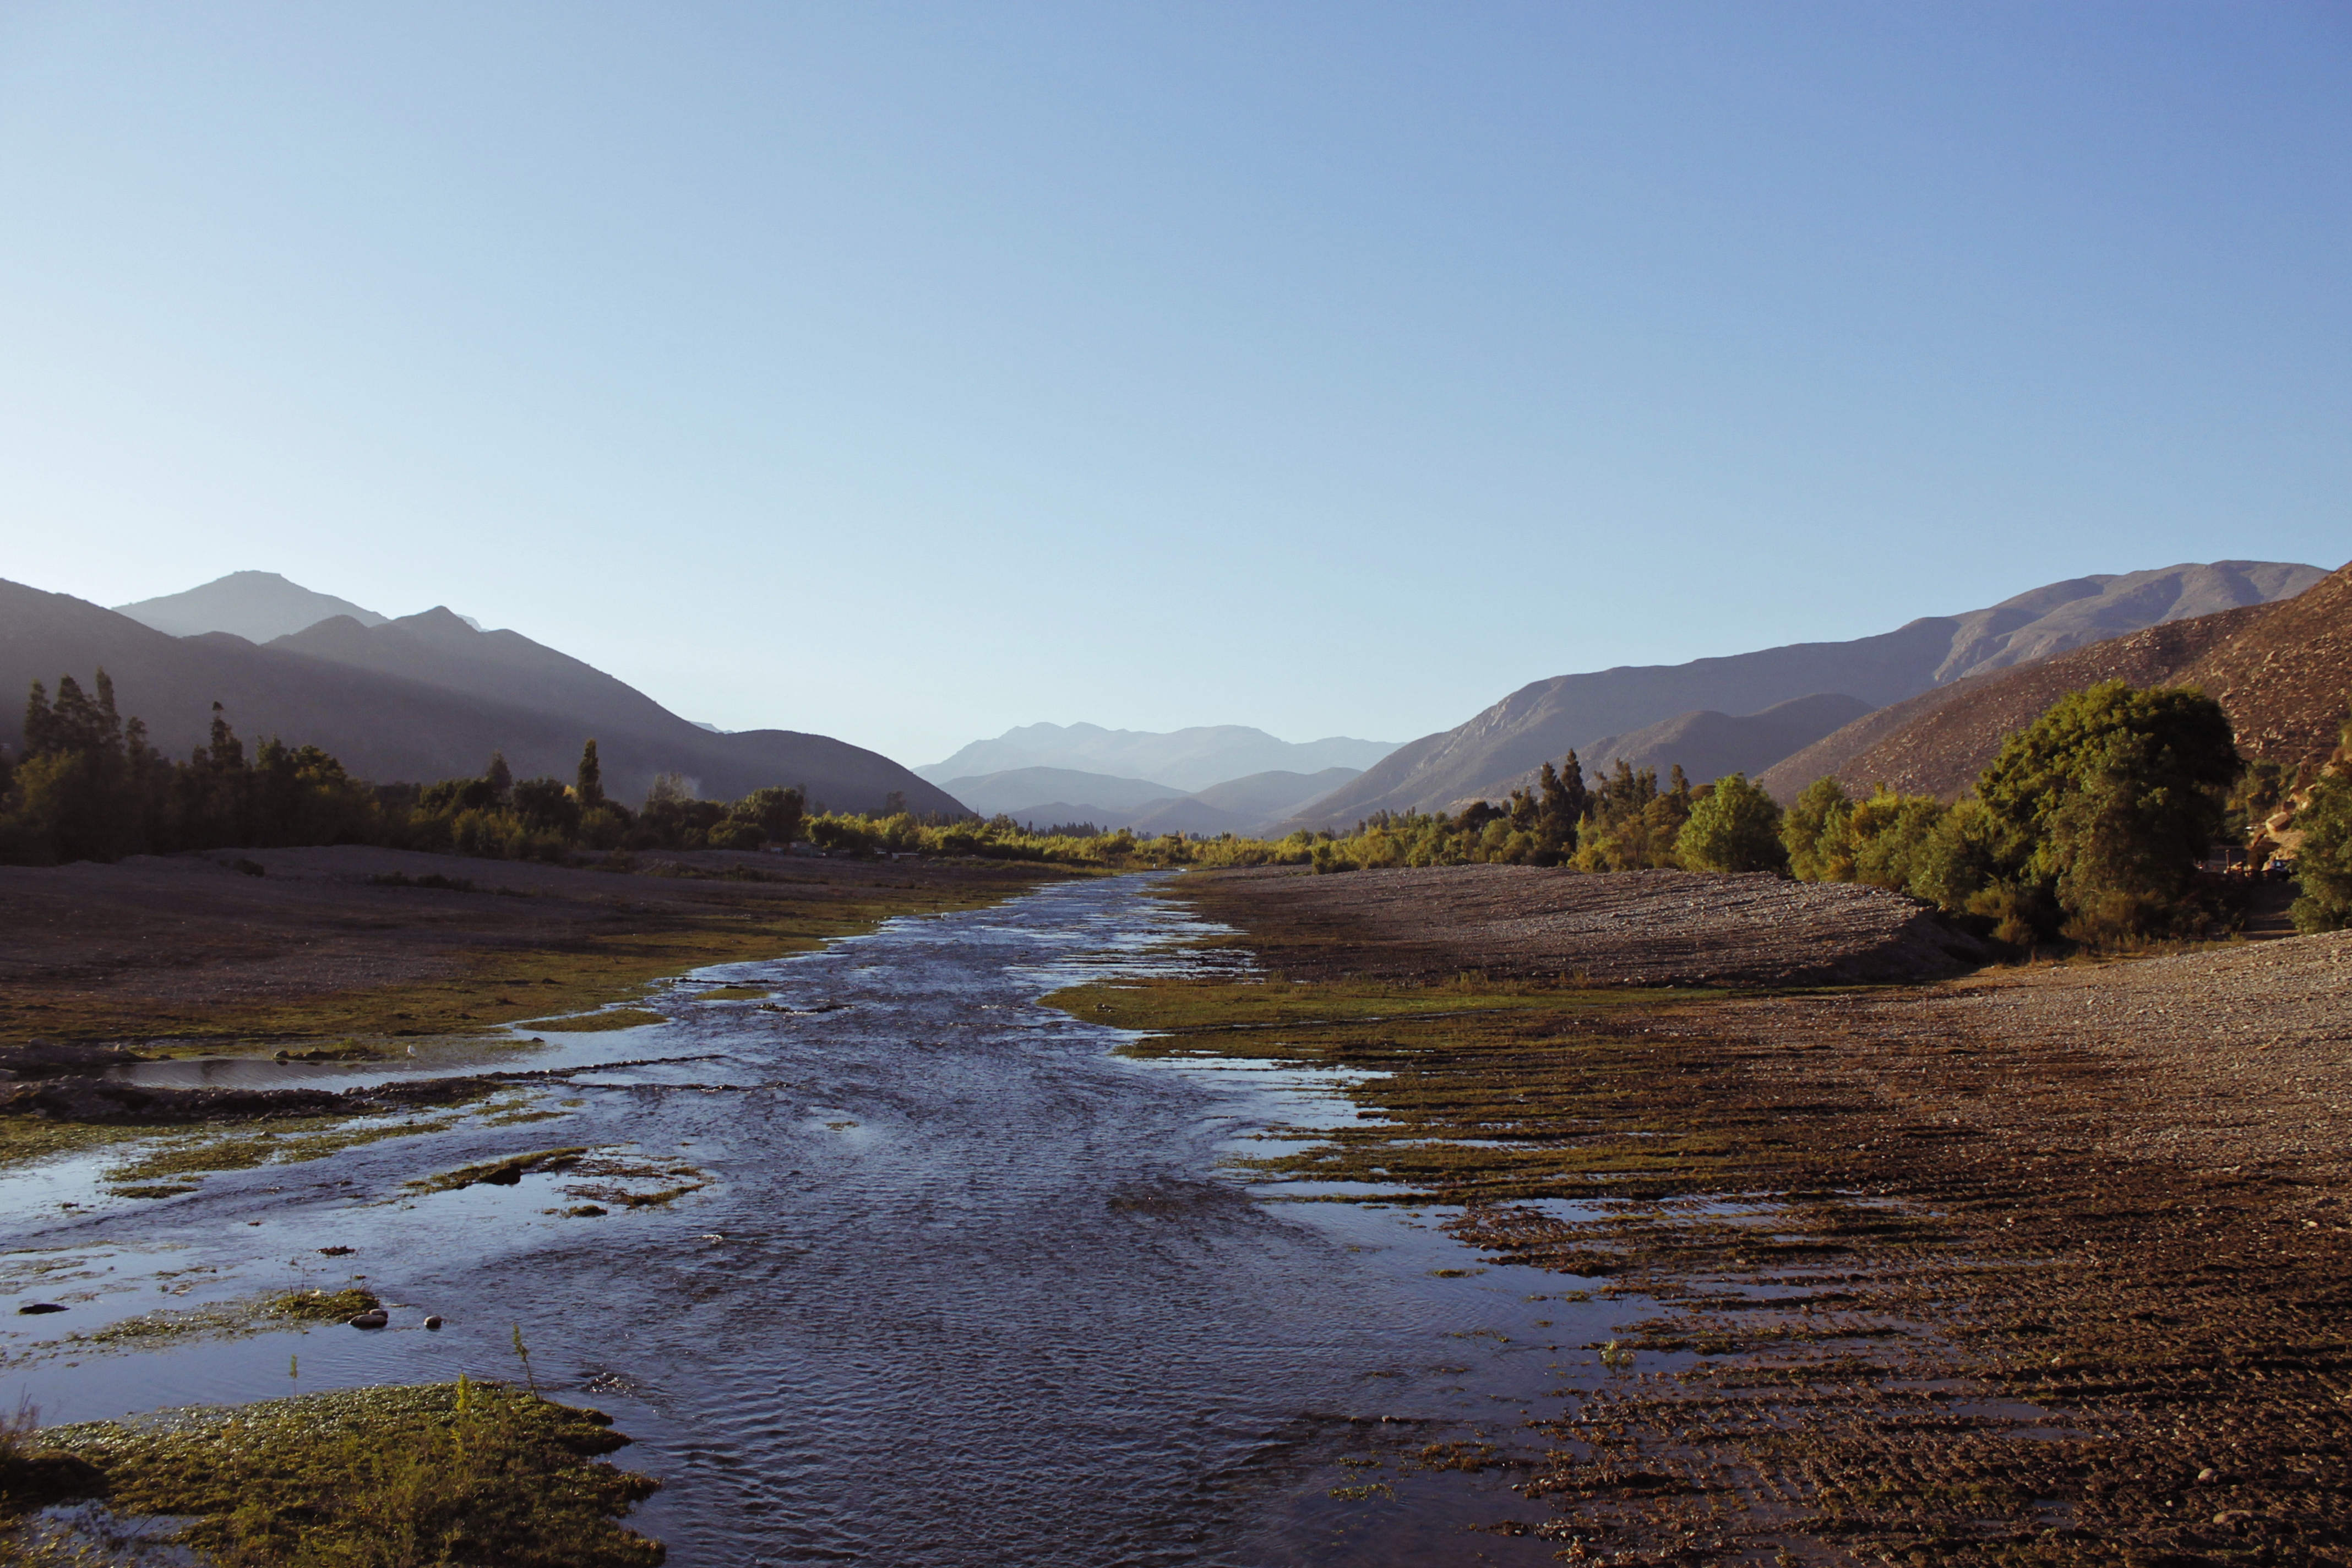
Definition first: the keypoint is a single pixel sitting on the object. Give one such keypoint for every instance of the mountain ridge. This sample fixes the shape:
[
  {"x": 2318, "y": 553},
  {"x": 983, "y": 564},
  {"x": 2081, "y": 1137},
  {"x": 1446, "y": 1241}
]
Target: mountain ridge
[
  {"x": 1189, "y": 759},
  {"x": 391, "y": 727},
  {"x": 2281, "y": 671},
  {"x": 254, "y": 605},
  {"x": 1482, "y": 757}
]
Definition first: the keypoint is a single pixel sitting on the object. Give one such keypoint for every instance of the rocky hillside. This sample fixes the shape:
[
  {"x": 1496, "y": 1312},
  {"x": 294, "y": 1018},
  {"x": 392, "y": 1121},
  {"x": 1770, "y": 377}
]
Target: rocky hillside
[
  {"x": 2282, "y": 670},
  {"x": 1483, "y": 758}
]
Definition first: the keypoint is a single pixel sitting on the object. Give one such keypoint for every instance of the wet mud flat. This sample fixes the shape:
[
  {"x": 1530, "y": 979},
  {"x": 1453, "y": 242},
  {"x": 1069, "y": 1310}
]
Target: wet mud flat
[{"x": 2041, "y": 1265}]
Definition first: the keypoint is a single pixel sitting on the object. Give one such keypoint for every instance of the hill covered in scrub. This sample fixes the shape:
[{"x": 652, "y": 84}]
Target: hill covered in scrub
[
  {"x": 426, "y": 697},
  {"x": 1495, "y": 752},
  {"x": 2281, "y": 671}
]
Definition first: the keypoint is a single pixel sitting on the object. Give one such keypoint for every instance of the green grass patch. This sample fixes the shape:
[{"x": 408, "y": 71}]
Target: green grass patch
[{"x": 445, "y": 1473}]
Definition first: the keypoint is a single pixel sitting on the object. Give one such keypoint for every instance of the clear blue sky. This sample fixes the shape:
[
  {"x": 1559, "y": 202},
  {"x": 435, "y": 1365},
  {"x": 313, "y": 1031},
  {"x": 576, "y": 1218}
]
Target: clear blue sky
[{"x": 909, "y": 372}]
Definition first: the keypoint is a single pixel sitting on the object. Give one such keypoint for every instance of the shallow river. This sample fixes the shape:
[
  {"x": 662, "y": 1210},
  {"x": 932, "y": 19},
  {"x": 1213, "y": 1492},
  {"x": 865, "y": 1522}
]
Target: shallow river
[{"x": 965, "y": 1287}]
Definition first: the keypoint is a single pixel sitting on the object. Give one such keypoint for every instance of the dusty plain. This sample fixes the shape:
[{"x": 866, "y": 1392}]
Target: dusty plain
[{"x": 2049, "y": 1263}]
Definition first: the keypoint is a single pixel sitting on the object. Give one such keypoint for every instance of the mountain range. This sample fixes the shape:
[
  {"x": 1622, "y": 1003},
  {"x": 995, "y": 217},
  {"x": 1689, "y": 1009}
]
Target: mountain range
[
  {"x": 1757, "y": 709},
  {"x": 421, "y": 698},
  {"x": 1045, "y": 797},
  {"x": 2282, "y": 670},
  {"x": 1187, "y": 760}
]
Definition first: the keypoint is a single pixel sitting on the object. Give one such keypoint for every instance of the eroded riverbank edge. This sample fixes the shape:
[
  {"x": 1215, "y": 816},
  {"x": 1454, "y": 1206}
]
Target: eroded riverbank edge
[{"x": 2033, "y": 1265}]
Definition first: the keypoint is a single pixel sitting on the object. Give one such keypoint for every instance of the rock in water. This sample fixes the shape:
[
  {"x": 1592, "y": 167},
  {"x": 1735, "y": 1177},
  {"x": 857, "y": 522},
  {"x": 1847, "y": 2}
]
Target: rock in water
[{"x": 374, "y": 1319}]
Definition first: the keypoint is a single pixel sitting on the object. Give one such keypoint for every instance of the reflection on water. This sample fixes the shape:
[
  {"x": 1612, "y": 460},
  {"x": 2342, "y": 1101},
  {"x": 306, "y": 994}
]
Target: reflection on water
[{"x": 965, "y": 1287}]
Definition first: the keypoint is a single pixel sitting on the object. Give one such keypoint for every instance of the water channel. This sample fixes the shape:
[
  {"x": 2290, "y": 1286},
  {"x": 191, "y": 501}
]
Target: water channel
[{"x": 965, "y": 1285}]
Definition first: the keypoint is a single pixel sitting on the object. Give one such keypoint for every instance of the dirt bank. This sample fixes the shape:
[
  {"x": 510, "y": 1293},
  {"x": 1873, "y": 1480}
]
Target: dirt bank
[
  {"x": 2034, "y": 1265},
  {"x": 393, "y": 942},
  {"x": 1636, "y": 928}
]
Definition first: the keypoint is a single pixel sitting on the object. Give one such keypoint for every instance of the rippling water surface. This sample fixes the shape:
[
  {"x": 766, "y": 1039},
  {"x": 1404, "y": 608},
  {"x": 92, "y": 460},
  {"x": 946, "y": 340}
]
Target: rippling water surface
[{"x": 965, "y": 1287}]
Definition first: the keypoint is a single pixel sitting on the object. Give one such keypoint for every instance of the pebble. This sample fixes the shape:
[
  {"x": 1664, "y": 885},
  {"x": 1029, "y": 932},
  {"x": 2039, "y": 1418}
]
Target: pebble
[
  {"x": 433, "y": 1321},
  {"x": 375, "y": 1319},
  {"x": 37, "y": 1307}
]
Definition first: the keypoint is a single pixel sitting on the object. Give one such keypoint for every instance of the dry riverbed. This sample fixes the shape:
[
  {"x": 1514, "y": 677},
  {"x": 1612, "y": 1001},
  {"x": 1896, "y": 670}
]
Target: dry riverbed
[{"x": 2041, "y": 1265}]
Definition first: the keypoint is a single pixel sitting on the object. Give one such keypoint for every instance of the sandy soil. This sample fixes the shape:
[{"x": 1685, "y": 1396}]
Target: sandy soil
[
  {"x": 192, "y": 932},
  {"x": 1640, "y": 928},
  {"x": 2237, "y": 1056}
]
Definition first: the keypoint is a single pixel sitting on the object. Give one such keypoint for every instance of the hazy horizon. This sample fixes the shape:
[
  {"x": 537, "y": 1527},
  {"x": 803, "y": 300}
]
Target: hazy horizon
[{"x": 911, "y": 373}]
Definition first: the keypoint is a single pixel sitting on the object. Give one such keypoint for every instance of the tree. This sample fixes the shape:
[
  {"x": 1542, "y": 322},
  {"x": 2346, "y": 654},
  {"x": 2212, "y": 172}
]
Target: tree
[
  {"x": 1813, "y": 831},
  {"x": 1563, "y": 799},
  {"x": 500, "y": 777},
  {"x": 1734, "y": 826},
  {"x": 546, "y": 806},
  {"x": 2323, "y": 867},
  {"x": 590, "y": 784},
  {"x": 776, "y": 813},
  {"x": 2104, "y": 806}
]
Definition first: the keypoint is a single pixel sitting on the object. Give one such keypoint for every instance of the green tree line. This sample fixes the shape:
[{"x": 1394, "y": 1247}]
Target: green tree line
[
  {"x": 88, "y": 785},
  {"x": 2090, "y": 823}
]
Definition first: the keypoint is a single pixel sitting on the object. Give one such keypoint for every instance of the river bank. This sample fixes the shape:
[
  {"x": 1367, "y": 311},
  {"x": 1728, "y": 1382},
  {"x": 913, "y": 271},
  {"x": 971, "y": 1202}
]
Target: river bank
[
  {"x": 2041, "y": 1265},
  {"x": 873, "y": 1257},
  {"x": 287, "y": 945}
]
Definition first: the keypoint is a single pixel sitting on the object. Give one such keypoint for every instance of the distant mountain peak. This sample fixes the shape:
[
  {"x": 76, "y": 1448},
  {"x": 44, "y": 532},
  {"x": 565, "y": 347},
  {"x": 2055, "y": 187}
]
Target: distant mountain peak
[
  {"x": 1189, "y": 759},
  {"x": 256, "y": 605}
]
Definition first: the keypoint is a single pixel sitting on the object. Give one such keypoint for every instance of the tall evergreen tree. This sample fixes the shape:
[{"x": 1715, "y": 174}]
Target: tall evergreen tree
[
  {"x": 1563, "y": 800},
  {"x": 590, "y": 785},
  {"x": 500, "y": 777}
]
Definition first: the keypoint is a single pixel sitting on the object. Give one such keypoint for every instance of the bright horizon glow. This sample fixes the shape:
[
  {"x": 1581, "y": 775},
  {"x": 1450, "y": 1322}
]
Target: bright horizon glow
[{"x": 910, "y": 373}]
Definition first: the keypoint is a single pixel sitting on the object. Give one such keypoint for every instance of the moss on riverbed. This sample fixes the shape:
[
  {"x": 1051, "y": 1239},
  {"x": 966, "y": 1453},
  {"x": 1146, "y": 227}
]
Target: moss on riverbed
[
  {"x": 243, "y": 1147},
  {"x": 226, "y": 1319},
  {"x": 438, "y": 1474},
  {"x": 1466, "y": 1092}
]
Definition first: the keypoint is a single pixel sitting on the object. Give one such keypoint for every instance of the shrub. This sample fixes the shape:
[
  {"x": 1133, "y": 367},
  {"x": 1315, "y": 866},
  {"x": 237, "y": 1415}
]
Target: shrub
[
  {"x": 2323, "y": 867},
  {"x": 1734, "y": 826}
]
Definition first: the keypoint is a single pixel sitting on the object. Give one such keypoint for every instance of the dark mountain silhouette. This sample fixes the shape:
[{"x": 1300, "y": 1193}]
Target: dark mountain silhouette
[
  {"x": 254, "y": 605},
  {"x": 1483, "y": 758},
  {"x": 414, "y": 700},
  {"x": 1186, "y": 758},
  {"x": 2282, "y": 671}
]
